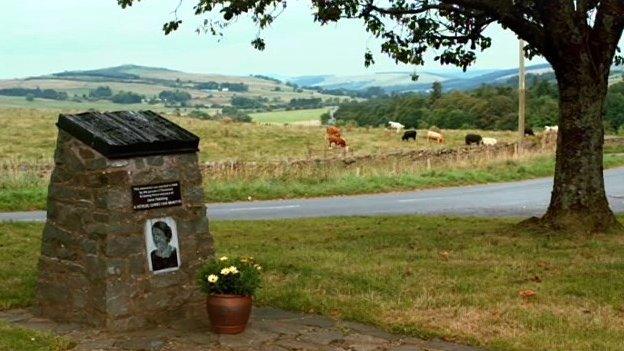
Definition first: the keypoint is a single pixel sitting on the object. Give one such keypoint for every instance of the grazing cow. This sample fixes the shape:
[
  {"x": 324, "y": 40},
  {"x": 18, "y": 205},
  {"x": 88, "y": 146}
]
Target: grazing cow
[
  {"x": 439, "y": 138},
  {"x": 549, "y": 129},
  {"x": 529, "y": 132},
  {"x": 473, "y": 139},
  {"x": 549, "y": 137},
  {"x": 409, "y": 134},
  {"x": 489, "y": 141},
  {"x": 332, "y": 130},
  {"x": 338, "y": 141},
  {"x": 396, "y": 125}
]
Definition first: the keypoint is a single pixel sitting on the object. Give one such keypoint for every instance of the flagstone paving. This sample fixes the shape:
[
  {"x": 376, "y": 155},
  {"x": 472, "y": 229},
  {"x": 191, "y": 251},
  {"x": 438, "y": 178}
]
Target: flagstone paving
[{"x": 269, "y": 330}]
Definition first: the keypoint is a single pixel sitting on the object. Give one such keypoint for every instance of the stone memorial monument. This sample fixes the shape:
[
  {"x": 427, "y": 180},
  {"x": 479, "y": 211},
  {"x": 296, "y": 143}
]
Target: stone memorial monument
[{"x": 126, "y": 226}]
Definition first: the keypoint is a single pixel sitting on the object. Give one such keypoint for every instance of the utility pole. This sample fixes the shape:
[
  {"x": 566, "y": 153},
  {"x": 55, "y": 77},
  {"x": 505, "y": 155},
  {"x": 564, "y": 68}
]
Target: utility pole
[{"x": 521, "y": 96}]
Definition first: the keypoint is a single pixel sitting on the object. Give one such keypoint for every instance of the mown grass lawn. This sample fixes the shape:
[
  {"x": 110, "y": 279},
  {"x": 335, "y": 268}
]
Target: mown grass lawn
[{"x": 455, "y": 278}]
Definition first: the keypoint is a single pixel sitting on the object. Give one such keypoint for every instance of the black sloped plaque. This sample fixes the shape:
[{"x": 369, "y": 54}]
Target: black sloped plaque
[{"x": 126, "y": 134}]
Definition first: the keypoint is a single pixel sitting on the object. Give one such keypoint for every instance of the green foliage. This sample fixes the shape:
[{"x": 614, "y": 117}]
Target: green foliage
[
  {"x": 247, "y": 103},
  {"x": 305, "y": 103},
  {"x": 211, "y": 85},
  {"x": 436, "y": 91},
  {"x": 235, "y": 276},
  {"x": 36, "y": 93},
  {"x": 30, "y": 97},
  {"x": 236, "y": 87},
  {"x": 127, "y": 97},
  {"x": 171, "y": 97},
  {"x": 325, "y": 118},
  {"x": 199, "y": 114},
  {"x": 615, "y": 107},
  {"x": 274, "y": 80},
  {"x": 103, "y": 92},
  {"x": 235, "y": 114},
  {"x": 487, "y": 107}
]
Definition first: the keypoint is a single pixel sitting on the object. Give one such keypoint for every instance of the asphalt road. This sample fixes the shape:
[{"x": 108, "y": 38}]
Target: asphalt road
[{"x": 524, "y": 198}]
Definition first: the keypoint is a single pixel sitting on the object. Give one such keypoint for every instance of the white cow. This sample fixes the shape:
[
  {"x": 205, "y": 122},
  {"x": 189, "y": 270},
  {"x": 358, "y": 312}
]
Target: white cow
[
  {"x": 489, "y": 141},
  {"x": 549, "y": 129},
  {"x": 396, "y": 125}
]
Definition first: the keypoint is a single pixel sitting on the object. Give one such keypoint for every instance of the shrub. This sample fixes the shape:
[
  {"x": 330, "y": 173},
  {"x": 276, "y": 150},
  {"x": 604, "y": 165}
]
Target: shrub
[
  {"x": 235, "y": 276},
  {"x": 235, "y": 114},
  {"x": 199, "y": 114},
  {"x": 126, "y": 97},
  {"x": 325, "y": 118},
  {"x": 102, "y": 92}
]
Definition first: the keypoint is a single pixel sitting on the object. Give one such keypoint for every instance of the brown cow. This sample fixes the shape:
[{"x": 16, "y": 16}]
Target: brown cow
[
  {"x": 338, "y": 141},
  {"x": 435, "y": 137},
  {"x": 332, "y": 130}
]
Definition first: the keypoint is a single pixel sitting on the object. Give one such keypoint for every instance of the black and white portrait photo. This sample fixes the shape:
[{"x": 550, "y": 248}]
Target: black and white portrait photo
[{"x": 161, "y": 237}]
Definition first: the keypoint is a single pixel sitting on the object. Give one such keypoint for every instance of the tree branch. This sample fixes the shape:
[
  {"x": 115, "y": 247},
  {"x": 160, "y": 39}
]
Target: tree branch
[{"x": 607, "y": 31}]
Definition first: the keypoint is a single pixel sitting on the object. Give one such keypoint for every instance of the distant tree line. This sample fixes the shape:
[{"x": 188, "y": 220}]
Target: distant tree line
[
  {"x": 170, "y": 97},
  {"x": 35, "y": 93},
  {"x": 263, "y": 103},
  {"x": 487, "y": 107},
  {"x": 104, "y": 73},
  {"x": 370, "y": 92},
  {"x": 127, "y": 97},
  {"x": 226, "y": 112},
  {"x": 270, "y": 79},
  {"x": 236, "y": 87}
]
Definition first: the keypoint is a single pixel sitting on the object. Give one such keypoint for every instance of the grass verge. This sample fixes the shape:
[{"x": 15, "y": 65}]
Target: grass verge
[
  {"x": 455, "y": 278},
  {"x": 19, "y": 252},
  {"x": 18, "y": 339},
  {"x": 21, "y": 192},
  {"x": 377, "y": 179}
]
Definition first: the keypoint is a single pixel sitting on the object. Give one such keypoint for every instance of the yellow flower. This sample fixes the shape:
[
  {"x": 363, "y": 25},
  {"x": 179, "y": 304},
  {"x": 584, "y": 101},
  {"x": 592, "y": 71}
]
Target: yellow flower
[
  {"x": 258, "y": 267},
  {"x": 223, "y": 258},
  {"x": 212, "y": 278},
  {"x": 225, "y": 271},
  {"x": 233, "y": 269}
]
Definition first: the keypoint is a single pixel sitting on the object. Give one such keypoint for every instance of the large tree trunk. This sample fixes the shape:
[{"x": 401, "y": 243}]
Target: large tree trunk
[{"x": 578, "y": 201}]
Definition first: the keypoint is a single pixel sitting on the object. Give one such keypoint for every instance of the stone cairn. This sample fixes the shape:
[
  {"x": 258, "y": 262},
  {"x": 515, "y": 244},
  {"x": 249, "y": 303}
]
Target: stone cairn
[{"x": 94, "y": 266}]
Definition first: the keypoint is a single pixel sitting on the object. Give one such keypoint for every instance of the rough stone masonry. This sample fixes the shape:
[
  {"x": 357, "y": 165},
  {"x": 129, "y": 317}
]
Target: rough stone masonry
[{"x": 94, "y": 266}]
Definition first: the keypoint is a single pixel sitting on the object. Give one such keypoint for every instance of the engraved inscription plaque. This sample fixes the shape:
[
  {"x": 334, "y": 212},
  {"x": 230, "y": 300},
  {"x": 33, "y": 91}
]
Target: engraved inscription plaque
[{"x": 145, "y": 197}]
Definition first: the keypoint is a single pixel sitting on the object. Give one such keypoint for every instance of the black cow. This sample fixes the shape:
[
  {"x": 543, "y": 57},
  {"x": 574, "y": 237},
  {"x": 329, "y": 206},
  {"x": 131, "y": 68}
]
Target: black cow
[
  {"x": 409, "y": 134},
  {"x": 473, "y": 139},
  {"x": 528, "y": 132}
]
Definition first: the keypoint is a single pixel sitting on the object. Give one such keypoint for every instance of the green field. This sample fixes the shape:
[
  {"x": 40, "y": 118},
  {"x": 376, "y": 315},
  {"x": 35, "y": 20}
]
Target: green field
[
  {"x": 28, "y": 137},
  {"x": 73, "y": 106},
  {"x": 281, "y": 117},
  {"x": 457, "y": 279},
  {"x": 28, "y": 134}
]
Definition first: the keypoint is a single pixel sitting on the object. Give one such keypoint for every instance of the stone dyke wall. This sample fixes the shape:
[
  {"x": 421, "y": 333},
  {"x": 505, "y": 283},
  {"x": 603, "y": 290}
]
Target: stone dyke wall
[
  {"x": 94, "y": 267},
  {"x": 434, "y": 157}
]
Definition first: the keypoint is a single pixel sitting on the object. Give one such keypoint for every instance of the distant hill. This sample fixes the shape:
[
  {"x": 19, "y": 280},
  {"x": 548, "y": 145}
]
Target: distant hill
[
  {"x": 402, "y": 81},
  {"x": 205, "y": 90}
]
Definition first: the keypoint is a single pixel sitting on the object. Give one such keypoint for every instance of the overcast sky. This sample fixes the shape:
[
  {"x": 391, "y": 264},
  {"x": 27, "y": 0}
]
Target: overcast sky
[{"x": 46, "y": 36}]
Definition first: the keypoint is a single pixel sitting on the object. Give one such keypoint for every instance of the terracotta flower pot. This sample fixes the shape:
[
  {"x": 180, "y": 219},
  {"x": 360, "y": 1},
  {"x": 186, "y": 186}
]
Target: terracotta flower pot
[{"x": 228, "y": 313}]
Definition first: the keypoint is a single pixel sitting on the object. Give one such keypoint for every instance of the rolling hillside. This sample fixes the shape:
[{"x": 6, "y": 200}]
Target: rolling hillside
[
  {"x": 150, "y": 82},
  {"x": 452, "y": 79}
]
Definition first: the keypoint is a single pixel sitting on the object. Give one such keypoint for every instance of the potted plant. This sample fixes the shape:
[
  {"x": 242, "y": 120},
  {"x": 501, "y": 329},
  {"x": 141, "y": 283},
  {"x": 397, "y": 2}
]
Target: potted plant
[{"x": 230, "y": 284}]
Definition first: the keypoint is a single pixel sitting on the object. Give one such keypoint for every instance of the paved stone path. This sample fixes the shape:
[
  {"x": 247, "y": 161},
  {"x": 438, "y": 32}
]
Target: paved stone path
[{"x": 269, "y": 330}]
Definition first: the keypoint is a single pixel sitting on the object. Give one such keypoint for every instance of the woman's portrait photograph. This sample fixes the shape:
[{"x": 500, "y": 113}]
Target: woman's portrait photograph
[{"x": 161, "y": 238}]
